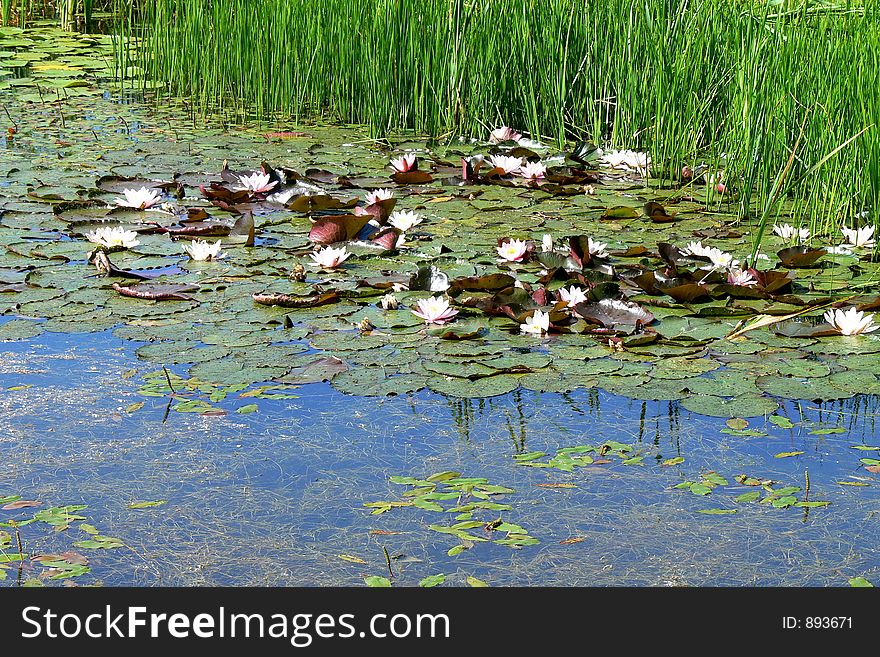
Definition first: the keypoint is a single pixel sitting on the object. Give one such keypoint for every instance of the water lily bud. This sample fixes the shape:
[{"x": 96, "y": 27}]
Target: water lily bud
[
  {"x": 298, "y": 273},
  {"x": 389, "y": 302}
]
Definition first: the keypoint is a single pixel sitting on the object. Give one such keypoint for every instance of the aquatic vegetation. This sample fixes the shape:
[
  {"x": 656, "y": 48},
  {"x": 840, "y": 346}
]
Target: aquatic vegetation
[
  {"x": 502, "y": 134},
  {"x": 405, "y": 163},
  {"x": 434, "y": 310},
  {"x": 404, "y": 220},
  {"x": 115, "y": 237},
  {"x": 513, "y": 250},
  {"x": 537, "y": 324},
  {"x": 202, "y": 250},
  {"x": 504, "y": 164},
  {"x": 787, "y": 232},
  {"x": 533, "y": 170},
  {"x": 860, "y": 238},
  {"x": 329, "y": 257},
  {"x": 257, "y": 182},
  {"x": 851, "y": 321},
  {"x": 140, "y": 199}
]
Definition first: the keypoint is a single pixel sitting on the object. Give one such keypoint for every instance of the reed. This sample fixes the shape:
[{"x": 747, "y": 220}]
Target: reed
[{"x": 727, "y": 82}]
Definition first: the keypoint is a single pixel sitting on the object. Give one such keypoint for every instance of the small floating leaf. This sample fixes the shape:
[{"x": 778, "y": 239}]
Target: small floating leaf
[
  {"x": 377, "y": 582},
  {"x": 783, "y": 455},
  {"x": 431, "y": 581}
]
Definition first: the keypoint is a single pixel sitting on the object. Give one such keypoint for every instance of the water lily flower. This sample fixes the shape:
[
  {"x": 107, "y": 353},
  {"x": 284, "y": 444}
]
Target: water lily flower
[
  {"x": 389, "y": 302},
  {"x": 113, "y": 237},
  {"x": 532, "y": 170},
  {"x": 140, "y": 199},
  {"x": 503, "y": 133},
  {"x": 720, "y": 260},
  {"x": 204, "y": 250},
  {"x": 859, "y": 238},
  {"x": 634, "y": 309},
  {"x": 330, "y": 258},
  {"x": 537, "y": 324},
  {"x": 572, "y": 296},
  {"x": 737, "y": 276},
  {"x": 597, "y": 249},
  {"x": 258, "y": 182},
  {"x": 404, "y": 163},
  {"x": 851, "y": 322},
  {"x": 513, "y": 250},
  {"x": 506, "y": 163},
  {"x": 787, "y": 231},
  {"x": 435, "y": 310},
  {"x": 547, "y": 243},
  {"x": 628, "y": 160},
  {"x": 696, "y": 249},
  {"x": 378, "y": 195},
  {"x": 404, "y": 219}
]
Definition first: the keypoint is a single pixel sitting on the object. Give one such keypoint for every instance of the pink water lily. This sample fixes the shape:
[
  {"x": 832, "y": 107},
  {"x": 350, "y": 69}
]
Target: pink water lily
[
  {"x": 513, "y": 250},
  {"x": 533, "y": 170},
  {"x": 503, "y": 133},
  {"x": 404, "y": 163},
  {"x": 737, "y": 276},
  {"x": 434, "y": 310}
]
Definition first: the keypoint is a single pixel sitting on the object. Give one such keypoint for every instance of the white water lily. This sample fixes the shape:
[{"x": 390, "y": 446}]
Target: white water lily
[
  {"x": 787, "y": 231},
  {"x": 404, "y": 163},
  {"x": 378, "y": 195},
  {"x": 597, "y": 249},
  {"x": 851, "y": 322},
  {"x": 204, "y": 250},
  {"x": 513, "y": 250},
  {"x": 404, "y": 219},
  {"x": 720, "y": 260},
  {"x": 113, "y": 237},
  {"x": 435, "y": 310},
  {"x": 572, "y": 296},
  {"x": 503, "y": 133},
  {"x": 258, "y": 182},
  {"x": 696, "y": 249},
  {"x": 330, "y": 258},
  {"x": 389, "y": 302},
  {"x": 532, "y": 171},
  {"x": 737, "y": 276},
  {"x": 140, "y": 199},
  {"x": 862, "y": 238},
  {"x": 537, "y": 324},
  {"x": 506, "y": 163},
  {"x": 547, "y": 243},
  {"x": 634, "y": 309},
  {"x": 627, "y": 160}
]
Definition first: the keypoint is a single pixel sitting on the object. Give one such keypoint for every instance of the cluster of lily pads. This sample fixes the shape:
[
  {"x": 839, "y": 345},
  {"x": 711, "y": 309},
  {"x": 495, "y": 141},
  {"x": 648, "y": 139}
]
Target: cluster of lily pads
[{"x": 486, "y": 281}]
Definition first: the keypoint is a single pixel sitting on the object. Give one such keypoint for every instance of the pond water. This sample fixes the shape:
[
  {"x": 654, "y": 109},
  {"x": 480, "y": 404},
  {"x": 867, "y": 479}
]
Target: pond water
[{"x": 212, "y": 440}]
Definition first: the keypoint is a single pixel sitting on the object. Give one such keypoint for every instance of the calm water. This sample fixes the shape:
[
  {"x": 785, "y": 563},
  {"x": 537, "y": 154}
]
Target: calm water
[{"x": 274, "y": 497}]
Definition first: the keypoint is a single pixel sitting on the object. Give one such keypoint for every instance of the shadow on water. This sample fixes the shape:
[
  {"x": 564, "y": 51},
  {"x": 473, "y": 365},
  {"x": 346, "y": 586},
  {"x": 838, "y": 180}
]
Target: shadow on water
[{"x": 275, "y": 497}]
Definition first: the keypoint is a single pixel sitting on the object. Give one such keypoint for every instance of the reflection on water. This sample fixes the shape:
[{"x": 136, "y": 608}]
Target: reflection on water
[{"x": 274, "y": 497}]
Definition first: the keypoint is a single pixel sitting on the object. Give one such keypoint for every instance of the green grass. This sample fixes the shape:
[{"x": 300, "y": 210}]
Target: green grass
[{"x": 736, "y": 84}]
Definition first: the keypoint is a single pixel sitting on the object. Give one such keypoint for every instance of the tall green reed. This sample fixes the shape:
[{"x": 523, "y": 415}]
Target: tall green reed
[{"x": 734, "y": 84}]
